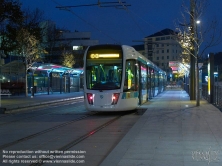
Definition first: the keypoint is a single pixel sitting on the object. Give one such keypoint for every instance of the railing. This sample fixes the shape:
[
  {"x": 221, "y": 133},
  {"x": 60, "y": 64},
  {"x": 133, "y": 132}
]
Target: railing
[
  {"x": 43, "y": 89},
  {"x": 217, "y": 96}
]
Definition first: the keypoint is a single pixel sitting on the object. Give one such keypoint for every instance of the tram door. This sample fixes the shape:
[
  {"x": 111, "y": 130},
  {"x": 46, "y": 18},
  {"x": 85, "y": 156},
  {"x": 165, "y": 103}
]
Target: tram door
[
  {"x": 149, "y": 83},
  {"x": 143, "y": 84},
  {"x": 152, "y": 83}
]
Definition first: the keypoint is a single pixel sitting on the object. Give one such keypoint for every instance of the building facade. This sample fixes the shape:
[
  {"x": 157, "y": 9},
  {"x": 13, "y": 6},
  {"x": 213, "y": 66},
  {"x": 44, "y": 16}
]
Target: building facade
[
  {"x": 161, "y": 47},
  {"x": 58, "y": 41}
]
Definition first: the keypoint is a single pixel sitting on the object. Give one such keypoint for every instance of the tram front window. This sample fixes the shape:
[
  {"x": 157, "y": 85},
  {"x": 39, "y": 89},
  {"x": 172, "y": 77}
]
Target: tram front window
[{"x": 103, "y": 76}]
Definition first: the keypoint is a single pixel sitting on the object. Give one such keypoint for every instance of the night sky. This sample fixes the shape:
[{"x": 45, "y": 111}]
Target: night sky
[{"x": 122, "y": 26}]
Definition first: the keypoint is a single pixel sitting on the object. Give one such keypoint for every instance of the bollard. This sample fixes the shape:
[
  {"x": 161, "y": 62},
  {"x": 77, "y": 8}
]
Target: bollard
[
  {"x": 32, "y": 92},
  {"x": 200, "y": 93}
]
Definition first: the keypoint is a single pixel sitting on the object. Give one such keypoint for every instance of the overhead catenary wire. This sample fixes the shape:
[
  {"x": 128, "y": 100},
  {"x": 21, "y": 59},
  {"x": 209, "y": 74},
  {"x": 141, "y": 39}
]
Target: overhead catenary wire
[
  {"x": 90, "y": 24},
  {"x": 131, "y": 13},
  {"x": 117, "y": 6}
]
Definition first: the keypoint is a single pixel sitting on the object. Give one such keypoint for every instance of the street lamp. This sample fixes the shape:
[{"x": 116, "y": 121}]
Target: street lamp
[{"x": 197, "y": 66}]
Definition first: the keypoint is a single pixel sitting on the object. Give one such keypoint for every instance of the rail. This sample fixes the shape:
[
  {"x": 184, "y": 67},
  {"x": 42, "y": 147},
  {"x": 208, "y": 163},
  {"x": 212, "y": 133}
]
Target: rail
[{"x": 217, "y": 96}]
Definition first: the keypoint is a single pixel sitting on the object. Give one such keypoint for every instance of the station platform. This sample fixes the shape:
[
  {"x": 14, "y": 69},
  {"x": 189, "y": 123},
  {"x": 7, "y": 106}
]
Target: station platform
[{"x": 172, "y": 132}]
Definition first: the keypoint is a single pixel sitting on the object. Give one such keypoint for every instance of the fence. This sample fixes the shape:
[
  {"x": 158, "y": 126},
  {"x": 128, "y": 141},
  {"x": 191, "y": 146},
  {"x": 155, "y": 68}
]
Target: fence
[{"x": 217, "y": 96}]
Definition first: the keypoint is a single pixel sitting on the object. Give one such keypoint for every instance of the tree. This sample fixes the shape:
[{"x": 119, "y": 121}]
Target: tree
[
  {"x": 11, "y": 10},
  {"x": 79, "y": 54},
  {"x": 194, "y": 39},
  {"x": 29, "y": 49},
  {"x": 68, "y": 59},
  {"x": 28, "y": 40},
  {"x": 51, "y": 36},
  {"x": 10, "y": 16}
]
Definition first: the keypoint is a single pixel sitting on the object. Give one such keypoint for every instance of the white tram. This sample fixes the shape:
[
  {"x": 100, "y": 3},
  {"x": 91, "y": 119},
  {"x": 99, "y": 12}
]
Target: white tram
[{"x": 118, "y": 78}]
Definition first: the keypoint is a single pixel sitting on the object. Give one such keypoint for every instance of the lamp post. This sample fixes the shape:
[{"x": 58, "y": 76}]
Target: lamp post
[
  {"x": 197, "y": 68},
  {"x": 193, "y": 50}
]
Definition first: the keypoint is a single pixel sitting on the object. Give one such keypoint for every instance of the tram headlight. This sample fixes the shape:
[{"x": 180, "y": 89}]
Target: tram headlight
[
  {"x": 90, "y": 98},
  {"x": 115, "y": 98}
]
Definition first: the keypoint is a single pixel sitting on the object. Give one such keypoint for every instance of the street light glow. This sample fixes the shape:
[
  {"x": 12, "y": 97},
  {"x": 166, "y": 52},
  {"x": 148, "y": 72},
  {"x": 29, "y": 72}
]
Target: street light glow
[{"x": 198, "y": 21}]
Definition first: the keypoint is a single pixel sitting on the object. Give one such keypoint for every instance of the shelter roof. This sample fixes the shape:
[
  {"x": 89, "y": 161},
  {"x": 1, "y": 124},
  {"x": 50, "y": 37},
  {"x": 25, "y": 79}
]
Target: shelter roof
[
  {"x": 18, "y": 67},
  {"x": 50, "y": 67}
]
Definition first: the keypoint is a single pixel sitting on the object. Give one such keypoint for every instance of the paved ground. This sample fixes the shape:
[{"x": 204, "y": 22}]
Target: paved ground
[
  {"x": 13, "y": 102},
  {"x": 172, "y": 132}
]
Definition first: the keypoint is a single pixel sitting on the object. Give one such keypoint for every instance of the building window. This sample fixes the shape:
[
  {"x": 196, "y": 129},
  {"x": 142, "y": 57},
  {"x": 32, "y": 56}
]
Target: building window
[
  {"x": 168, "y": 51},
  {"x": 162, "y": 51},
  {"x": 162, "y": 45},
  {"x": 162, "y": 57},
  {"x": 167, "y": 57},
  {"x": 162, "y": 38},
  {"x": 150, "y": 47},
  {"x": 157, "y": 45},
  {"x": 157, "y": 39},
  {"x": 157, "y": 51},
  {"x": 162, "y": 64},
  {"x": 157, "y": 58}
]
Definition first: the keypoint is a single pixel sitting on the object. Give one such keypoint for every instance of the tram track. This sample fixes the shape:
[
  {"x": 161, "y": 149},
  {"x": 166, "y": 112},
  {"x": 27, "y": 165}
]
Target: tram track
[
  {"x": 104, "y": 120},
  {"x": 37, "y": 109},
  {"x": 43, "y": 131},
  {"x": 80, "y": 139},
  {"x": 29, "y": 117},
  {"x": 20, "y": 109},
  {"x": 63, "y": 125}
]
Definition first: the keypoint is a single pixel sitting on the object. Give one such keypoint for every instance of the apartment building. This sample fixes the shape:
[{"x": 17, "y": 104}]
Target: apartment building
[{"x": 161, "y": 47}]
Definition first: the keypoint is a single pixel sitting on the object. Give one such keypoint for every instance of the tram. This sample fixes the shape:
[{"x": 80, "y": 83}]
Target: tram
[{"x": 118, "y": 78}]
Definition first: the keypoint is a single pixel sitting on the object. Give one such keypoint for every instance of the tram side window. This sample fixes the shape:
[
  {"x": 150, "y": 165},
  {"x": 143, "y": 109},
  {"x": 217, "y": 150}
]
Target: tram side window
[{"x": 130, "y": 76}]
